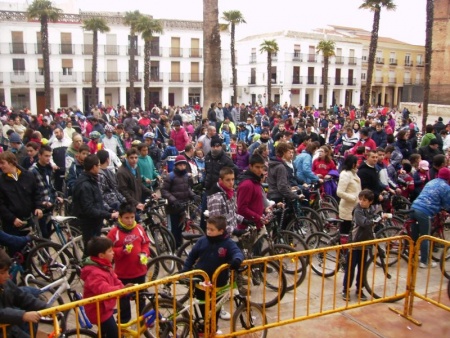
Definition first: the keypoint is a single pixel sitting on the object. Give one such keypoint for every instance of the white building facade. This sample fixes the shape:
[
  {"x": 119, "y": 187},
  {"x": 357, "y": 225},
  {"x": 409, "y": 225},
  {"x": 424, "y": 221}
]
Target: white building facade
[
  {"x": 296, "y": 73},
  {"x": 176, "y": 62}
]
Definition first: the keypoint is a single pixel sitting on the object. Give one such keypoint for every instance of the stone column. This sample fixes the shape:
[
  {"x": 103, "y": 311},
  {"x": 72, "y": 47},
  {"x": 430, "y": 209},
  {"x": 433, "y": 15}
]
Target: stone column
[
  {"x": 315, "y": 99},
  {"x": 302, "y": 96},
  {"x": 33, "y": 99},
  {"x": 185, "y": 96},
  {"x": 165, "y": 96},
  {"x": 383, "y": 94},
  {"x": 79, "y": 95},
  {"x": 56, "y": 98},
  {"x": 123, "y": 96}
]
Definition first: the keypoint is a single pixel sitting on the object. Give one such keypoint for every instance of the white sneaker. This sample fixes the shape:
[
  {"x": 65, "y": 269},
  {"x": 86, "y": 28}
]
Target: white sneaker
[
  {"x": 219, "y": 332},
  {"x": 425, "y": 266},
  {"x": 225, "y": 315}
]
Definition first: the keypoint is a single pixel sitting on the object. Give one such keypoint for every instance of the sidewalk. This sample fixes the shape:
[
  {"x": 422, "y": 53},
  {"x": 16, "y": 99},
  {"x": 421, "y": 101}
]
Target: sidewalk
[{"x": 373, "y": 321}]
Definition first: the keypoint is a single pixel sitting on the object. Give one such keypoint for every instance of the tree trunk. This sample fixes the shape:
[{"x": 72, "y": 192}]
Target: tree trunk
[
  {"x": 325, "y": 83},
  {"x": 371, "y": 61},
  {"x": 233, "y": 62},
  {"x": 131, "y": 70},
  {"x": 46, "y": 59},
  {"x": 147, "y": 53},
  {"x": 212, "y": 73},
  {"x": 269, "y": 81},
  {"x": 94, "y": 98},
  {"x": 428, "y": 60}
]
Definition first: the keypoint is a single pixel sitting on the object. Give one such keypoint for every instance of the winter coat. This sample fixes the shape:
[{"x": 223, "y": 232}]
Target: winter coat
[
  {"x": 131, "y": 185},
  {"x": 380, "y": 138},
  {"x": 369, "y": 179},
  {"x": 176, "y": 189},
  {"x": 427, "y": 153},
  {"x": 250, "y": 198},
  {"x": 405, "y": 148},
  {"x": 180, "y": 138},
  {"x": 220, "y": 205},
  {"x": 98, "y": 280},
  {"x": 277, "y": 179},
  {"x": 147, "y": 169},
  {"x": 213, "y": 165},
  {"x": 242, "y": 160},
  {"x": 127, "y": 265},
  {"x": 348, "y": 188},
  {"x": 433, "y": 197},
  {"x": 362, "y": 225},
  {"x": 211, "y": 252},
  {"x": 303, "y": 168}
]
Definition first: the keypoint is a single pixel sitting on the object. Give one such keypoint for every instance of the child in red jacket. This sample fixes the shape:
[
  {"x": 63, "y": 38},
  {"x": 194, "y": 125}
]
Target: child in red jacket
[
  {"x": 99, "y": 278},
  {"x": 131, "y": 252}
]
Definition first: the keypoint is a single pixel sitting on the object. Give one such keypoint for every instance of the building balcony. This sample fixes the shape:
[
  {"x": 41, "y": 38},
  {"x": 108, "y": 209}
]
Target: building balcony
[
  {"x": 39, "y": 77},
  {"x": 311, "y": 80},
  {"x": 112, "y": 77},
  {"x": 392, "y": 80},
  {"x": 156, "y": 52},
  {"x": 351, "y": 81},
  {"x": 393, "y": 62},
  {"x": 66, "y": 48},
  {"x": 297, "y": 80},
  {"x": 68, "y": 77},
  {"x": 297, "y": 56},
  {"x": 365, "y": 58},
  {"x": 252, "y": 80},
  {"x": 420, "y": 64},
  {"x": 378, "y": 79},
  {"x": 156, "y": 77},
  {"x": 38, "y": 48},
  {"x": 195, "y": 52},
  {"x": 352, "y": 61},
  {"x": 338, "y": 81},
  {"x": 252, "y": 59},
  {"x": 406, "y": 81},
  {"x": 111, "y": 50},
  {"x": 137, "y": 77},
  {"x": 408, "y": 63},
  {"x": 175, "y": 52},
  {"x": 312, "y": 58},
  {"x": 175, "y": 77},
  {"x": 87, "y": 77},
  {"x": 418, "y": 81},
  {"x": 88, "y": 49},
  {"x": 274, "y": 57},
  {"x": 17, "y": 48},
  {"x": 195, "y": 77},
  {"x": 19, "y": 76},
  {"x": 339, "y": 60},
  {"x": 379, "y": 61},
  {"x": 137, "y": 51}
]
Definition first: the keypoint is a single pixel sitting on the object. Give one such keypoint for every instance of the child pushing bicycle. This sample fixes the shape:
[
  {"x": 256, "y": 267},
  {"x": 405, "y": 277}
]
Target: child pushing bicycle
[{"x": 210, "y": 252}]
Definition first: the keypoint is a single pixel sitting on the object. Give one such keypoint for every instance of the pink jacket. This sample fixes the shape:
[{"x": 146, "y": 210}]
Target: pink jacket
[{"x": 180, "y": 138}]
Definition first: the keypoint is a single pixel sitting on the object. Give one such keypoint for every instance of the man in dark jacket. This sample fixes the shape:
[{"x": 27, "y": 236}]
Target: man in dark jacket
[
  {"x": 20, "y": 196},
  {"x": 369, "y": 176},
  {"x": 379, "y": 136},
  {"x": 428, "y": 152},
  {"x": 87, "y": 201},
  {"x": 439, "y": 125}
]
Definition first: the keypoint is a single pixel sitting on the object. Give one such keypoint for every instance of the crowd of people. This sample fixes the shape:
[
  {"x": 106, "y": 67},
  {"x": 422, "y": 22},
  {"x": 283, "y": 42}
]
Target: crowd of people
[{"x": 108, "y": 161}]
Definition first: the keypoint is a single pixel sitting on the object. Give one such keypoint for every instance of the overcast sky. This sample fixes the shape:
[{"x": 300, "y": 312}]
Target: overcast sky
[{"x": 406, "y": 23}]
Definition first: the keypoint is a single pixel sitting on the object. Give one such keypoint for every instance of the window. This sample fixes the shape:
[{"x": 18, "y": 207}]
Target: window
[
  {"x": 297, "y": 51},
  {"x": 252, "y": 76},
  {"x": 175, "y": 47},
  {"x": 419, "y": 60},
  {"x": 365, "y": 55},
  {"x": 392, "y": 58},
  {"x": 363, "y": 76},
  {"x": 407, "y": 59},
  {"x": 66, "y": 43},
  {"x": 19, "y": 66},
  {"x": 67, "y": 66},
  {"x": 352, "y": 58},
  {"x": 154, "y": 71},
  {"x": 133, "y": 44},
  {"x": 339, "y": 58},
  {"x": 155, "y": 46},
  {"x": 41, "y": 67},
  {"x": 111, "y": 44},
  {"x": 195, "y": 47},
  {"x": 88, "y": 46},
  {"x": 17, "y": 43},
  {"x": 407, "y": 78},
  {"x": 253, "y": 56}
]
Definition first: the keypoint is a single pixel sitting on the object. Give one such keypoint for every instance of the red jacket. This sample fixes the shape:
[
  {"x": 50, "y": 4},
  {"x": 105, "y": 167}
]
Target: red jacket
[
  {"x": 369, "y": 143},
  {"x": 128, "y": 265},
  {"x": 180, "y": 138},
  {"x": 99, "y": 280},
  {"x": 250, "y": 199}
]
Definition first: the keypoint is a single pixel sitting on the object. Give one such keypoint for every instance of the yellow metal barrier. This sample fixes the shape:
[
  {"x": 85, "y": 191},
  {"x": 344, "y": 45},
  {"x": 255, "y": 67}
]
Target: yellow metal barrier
[{"x": 395, "y": 279}]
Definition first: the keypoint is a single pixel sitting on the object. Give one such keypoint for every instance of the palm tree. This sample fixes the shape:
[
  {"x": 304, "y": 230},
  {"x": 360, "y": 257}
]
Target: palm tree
[
  {"x": 233, "y": 18},
  {"x": 327, "y": 49},
  {"x": 95, "y": 25},
  {"x": 428, "y": 59},
  {"x": 270, "y": 47},
  {"x": 44, "y": 11},
  {"x": 374, "y": 6},
  {"x": 132, "y": 19},
  {"x": 148, "y": 27},
  {"x": 212, "y": 54}
]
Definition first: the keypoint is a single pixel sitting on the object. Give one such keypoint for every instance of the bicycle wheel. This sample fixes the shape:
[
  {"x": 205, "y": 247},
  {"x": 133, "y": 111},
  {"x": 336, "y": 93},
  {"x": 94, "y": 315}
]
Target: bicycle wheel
[
  {"x": 444, "y": 262},
  {"x": 290, "y": 238},
  {"x": 184, "y": 250},
  {"x": 48, "y": 260},
  {"x": 79, "y": 333},
  {"x": 163, "y": 239},
  {"x": 311, "y": 214},
  {"x": 382, "y": 280},
  {"x": 158, "y": 268},
  {"x": 328, "y": 201},
  {"x": 166, "y": 310},
  {"x": 182, "y": 330},
  {"x": 263, "y": 282},
  {"x": 326, "y": 215},
  {"x": 248, "y": 316},
  {"x": 303, "y": 227},
  {"x": 397, "y": 248},
  {"x": 327, "y": 263},
  {"x": 437, "y": 248},
  {"x": 294, "y": 268}
]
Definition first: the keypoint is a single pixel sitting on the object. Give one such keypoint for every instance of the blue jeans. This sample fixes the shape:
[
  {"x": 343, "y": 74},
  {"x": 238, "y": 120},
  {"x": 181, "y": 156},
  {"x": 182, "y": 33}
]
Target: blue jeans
[
  {"x": 421, "y": 227},
  {"x": 109, "y": 328}
]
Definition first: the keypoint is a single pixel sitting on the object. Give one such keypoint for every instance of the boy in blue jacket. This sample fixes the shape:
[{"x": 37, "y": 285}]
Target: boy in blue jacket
[{"x": 210, "y": 252}]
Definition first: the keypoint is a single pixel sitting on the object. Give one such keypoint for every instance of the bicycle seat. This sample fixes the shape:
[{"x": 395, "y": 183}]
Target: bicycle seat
[
  {"x": 62, "y": 218},
  {"x": 404, "y": 211},
  {"x": 189, "y": 236},
  {"x": 334, "y": 220}
]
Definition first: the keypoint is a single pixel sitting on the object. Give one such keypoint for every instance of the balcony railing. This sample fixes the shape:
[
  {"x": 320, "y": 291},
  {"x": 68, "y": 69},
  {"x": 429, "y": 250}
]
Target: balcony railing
[
  {"x": 311, "y": 80},
  {"x": 392, "y": 80},
  {"x": 137, "y": 51},
  {"x": 274, "y": 57},
  {"x": 379, "y": 61},
  {"x": 137, "y": 77},
  {"x": 19, "y": 76},
  {"x": 87, "y": 77},
  {"x": 252, "y": 59},
  {"x": 195, "y": 77},
  {"x": 420, "y": 63},
  {"x": 18, "y": 48},
  {"x": 68, "y": 77},
  {"x": 39, "y": 77},
  {"x": 408, "y": 63},
  {"x": 312, "y": 58},
  {"x": 112, "y": 77},
  {"x": 111, "y": 50},
  {"x": 297, "y": 80},
  {"x": 88, "y": 49},
  {"x": 38, "y": 48},
  {"x": 338, "y": 81},
  {"x": 297, "y": 56},
  {"x": 407, "y": 81},
  {"x": 365, "y": 58},
  {"x": 66, "y": 48},
  {"x": 378, "y": 79},
  {"x": 393, "y": 62},
  {"x": 339, "y": 59},
  {"x": 175, "y": 77},
  {"x": 351, "y": 81},
  {"x": 156, "y": 77},
  {"x": 195, "y": 52},
  {"x": 156, "y": 51},
  {"x": 352, "y": 60},
  {"x": 176, "y": 52},
  {"x": 329, "y": 80},
  {"x": 418, "y": 81},
  {"x": 252, "y": 80}
]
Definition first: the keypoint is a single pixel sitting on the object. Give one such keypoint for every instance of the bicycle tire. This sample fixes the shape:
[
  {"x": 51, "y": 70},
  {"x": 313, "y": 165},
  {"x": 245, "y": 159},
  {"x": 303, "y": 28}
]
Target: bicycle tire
[
  {"x": 165, "y": 308},
  {"x": 164, "y": 241},
  {"x": 330, "y": 228},
  {"x": 292, "y": 239},
  {"x": 311, "y": 214},
  {"x": 157, "y": 268},
  {"x": 46, "y": 260},
  {"x": 264, "y": 288},
  {"x": 397, "y": 248},
  {"x": 303, "y": 226},
  {"x": 184, "y": 250},
  {"x": 184, "y": 325},
  {"x": 324, "y": 264},
  {"x": 379, "y": 282},
  {"x": 79, "y": 333},
  {"x": 246, "y": 319},
  {"x": 328, "y": 201},
  {"x": 444, "y": 262},
  {"x": 289, "y": 265}
]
